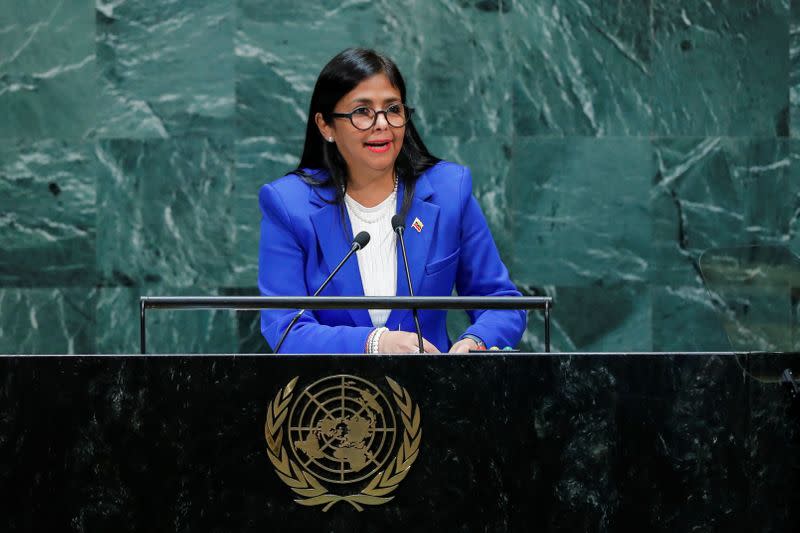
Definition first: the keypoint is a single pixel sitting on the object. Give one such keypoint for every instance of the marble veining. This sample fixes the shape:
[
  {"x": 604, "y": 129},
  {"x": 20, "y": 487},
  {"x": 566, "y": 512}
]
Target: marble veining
[{"x": 611, "y": 144}]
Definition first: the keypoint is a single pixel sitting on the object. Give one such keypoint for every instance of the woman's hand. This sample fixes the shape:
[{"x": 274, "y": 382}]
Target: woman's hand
[
  {"x": 464, "y": 346},
  {"x": 403, "y": 342}
]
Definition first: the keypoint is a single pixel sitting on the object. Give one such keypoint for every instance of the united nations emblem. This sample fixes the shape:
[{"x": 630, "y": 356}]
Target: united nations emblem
[{"x": 342, "y": 431}]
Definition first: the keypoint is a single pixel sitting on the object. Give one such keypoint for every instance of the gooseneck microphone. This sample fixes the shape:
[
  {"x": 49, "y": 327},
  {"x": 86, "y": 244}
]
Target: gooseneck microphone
[
  {"x": 359, "y": 242},
  {"x": 398, "y": 225}
]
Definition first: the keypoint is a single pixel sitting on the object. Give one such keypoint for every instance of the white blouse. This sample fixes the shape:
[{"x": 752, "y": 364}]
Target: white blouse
[{"x": 378, "y": 260}]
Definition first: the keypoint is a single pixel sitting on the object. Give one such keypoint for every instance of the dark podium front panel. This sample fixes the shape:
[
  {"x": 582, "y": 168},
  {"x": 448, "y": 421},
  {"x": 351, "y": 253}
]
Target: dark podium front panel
[{"x": 561, "y": 442}]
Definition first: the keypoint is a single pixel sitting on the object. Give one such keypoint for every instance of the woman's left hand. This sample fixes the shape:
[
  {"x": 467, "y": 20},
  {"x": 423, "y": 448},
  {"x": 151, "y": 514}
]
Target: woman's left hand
[{"x": 463, "y": 346}]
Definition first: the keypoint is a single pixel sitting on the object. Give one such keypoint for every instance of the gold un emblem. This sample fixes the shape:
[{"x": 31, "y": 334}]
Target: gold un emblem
[{"x": 342, "y": 432}]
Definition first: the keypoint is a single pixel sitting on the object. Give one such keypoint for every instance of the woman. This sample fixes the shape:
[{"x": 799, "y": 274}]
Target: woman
[{"x": 363, "y": 162}]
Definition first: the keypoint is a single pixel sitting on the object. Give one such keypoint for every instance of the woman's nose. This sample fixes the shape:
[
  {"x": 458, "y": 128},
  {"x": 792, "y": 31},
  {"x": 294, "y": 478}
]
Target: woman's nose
[{"x": 381, "y": 122}]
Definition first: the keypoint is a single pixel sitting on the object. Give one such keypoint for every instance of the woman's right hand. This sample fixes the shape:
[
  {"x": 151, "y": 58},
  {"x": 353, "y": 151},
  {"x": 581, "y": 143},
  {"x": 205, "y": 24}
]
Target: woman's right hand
[{"x": 403, "y": 342}]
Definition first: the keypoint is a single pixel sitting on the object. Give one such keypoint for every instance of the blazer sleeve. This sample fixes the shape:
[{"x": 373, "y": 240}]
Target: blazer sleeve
[
  {"x": 281, "y": 264},
  {"x": 481, "y": 272}
]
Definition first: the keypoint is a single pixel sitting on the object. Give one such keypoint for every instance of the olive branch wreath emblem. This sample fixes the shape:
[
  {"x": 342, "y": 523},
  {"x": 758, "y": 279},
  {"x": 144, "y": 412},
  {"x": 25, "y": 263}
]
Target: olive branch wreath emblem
[{"x": 309, "y": 488}]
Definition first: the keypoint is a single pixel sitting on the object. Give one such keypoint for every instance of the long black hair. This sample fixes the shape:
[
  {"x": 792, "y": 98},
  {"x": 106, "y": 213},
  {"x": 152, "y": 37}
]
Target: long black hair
[{"x": 340, "y": 76}]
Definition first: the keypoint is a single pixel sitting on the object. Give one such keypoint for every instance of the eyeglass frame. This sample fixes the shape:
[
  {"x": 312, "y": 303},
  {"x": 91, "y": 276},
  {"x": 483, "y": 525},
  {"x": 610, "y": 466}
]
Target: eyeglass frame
[{"x": 409, "y": 110}]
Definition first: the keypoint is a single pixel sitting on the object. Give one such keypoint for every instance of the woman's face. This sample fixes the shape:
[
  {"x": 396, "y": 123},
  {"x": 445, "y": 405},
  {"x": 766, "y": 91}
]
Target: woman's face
[{"x": 374, "y": 150}]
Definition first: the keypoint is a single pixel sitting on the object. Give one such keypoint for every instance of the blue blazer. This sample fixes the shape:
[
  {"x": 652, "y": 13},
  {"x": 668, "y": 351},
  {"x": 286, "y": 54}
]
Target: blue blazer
[{"x": 302, "y": 241}]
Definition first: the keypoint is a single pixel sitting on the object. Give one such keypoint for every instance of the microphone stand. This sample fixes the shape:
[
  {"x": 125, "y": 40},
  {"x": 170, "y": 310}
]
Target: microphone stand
[
  {"x": 399, "y": 229},
  {"x": 356, "y": 246}
]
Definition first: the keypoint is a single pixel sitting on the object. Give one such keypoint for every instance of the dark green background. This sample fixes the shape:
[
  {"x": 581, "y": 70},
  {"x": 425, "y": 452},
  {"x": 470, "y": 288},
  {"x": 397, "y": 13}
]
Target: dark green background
[{"x": 611, "y": 143}]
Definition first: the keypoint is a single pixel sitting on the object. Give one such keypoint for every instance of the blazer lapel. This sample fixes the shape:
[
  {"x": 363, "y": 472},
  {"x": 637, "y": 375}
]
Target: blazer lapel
[
  {"x": 334, "y": 246},
  {"x": 418, "y": 243}
]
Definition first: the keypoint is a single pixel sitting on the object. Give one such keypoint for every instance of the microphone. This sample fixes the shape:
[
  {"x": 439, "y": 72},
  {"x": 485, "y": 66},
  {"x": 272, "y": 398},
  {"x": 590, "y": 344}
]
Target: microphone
[
  {"x": 359, "y": 242},
  {"x": 398, "y": 225}
]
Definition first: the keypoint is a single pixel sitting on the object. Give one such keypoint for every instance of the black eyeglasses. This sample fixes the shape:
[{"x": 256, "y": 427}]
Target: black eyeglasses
[{"x": 363, "y": 118}]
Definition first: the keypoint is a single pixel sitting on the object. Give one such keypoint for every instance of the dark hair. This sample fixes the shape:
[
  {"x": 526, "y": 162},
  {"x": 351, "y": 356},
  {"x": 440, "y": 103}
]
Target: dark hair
[{"x": 342, "y": 73}]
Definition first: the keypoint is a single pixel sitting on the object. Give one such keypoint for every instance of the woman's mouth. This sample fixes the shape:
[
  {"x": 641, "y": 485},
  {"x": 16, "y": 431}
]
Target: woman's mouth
[{"x": 378, "y": 146}]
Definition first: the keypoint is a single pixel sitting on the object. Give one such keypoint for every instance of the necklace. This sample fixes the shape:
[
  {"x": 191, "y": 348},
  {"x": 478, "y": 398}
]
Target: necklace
[
  {"x": 394, "y": 191},
  {"x": 371, "y": 215}
]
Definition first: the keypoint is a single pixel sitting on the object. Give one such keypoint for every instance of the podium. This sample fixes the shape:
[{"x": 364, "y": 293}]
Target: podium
[{"x": 500, "y": 442}]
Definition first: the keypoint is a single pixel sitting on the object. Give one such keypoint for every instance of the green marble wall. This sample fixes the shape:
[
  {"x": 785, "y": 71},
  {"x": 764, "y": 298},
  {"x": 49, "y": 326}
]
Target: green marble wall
[{"x": 612, "y": 142}]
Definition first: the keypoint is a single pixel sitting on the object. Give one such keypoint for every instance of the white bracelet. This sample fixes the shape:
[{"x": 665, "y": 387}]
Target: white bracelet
[{"x": 376, "y": 337}]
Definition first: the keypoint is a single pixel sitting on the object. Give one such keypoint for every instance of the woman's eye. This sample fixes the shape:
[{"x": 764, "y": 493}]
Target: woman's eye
[
  {"x": 361, "y": 111},
  {"x": 394, "y": 108}
]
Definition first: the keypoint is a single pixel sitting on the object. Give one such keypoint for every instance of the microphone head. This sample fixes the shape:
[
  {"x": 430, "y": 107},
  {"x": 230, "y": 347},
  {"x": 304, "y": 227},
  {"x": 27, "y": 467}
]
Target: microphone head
[
  {"x": 361, "y": 239},
  {"x": 398, "y": 224}
]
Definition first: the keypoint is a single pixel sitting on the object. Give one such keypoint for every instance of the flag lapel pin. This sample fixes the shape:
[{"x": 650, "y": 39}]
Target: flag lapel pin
[{"x": 417, "y": 225}]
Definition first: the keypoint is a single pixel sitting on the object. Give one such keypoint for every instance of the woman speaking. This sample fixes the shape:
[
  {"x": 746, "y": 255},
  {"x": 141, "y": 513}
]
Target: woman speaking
[{"x": 364, "y": 163}]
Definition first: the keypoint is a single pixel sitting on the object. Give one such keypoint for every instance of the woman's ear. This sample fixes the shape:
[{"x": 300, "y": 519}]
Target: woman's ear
[{"x": 324, "y": 129}]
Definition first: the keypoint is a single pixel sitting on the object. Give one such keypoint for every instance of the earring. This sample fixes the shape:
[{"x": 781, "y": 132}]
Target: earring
[{"x": 330, "y": 139}]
